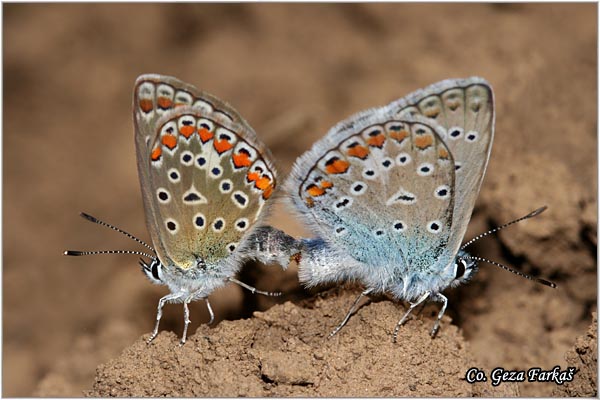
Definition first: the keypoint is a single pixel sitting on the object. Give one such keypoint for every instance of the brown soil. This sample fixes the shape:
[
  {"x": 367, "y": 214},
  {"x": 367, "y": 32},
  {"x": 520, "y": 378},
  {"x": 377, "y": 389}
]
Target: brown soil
[
  {"x": 293, "y": 70},
  {"x": 584, "y": 357},
  {"x": 285, "y": 352}
]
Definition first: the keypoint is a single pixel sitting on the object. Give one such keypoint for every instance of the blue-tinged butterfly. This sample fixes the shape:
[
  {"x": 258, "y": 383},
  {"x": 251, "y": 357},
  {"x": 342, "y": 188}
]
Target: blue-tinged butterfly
[
  {"x": 389, "y": 193},
  {"x": 206, "y": 182}
]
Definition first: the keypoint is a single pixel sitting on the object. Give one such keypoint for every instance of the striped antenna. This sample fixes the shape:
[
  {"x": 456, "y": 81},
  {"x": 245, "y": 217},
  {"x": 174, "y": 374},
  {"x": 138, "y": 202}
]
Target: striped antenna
[
  {"x": 95, "y": 220},
  {"x": 497, "y": 264},
  {"x": 530, "y": 215},
  {"x": 94, "y": 252}
]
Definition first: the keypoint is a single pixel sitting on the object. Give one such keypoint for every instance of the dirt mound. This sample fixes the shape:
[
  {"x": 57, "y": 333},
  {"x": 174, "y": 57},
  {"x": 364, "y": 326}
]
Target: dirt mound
[{"x": 285, "y": 352}]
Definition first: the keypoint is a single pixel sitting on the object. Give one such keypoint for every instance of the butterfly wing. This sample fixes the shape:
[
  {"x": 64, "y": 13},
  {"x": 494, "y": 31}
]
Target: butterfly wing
[
  {"x": 205, "y": 177},
  {"x": 378, "y": 187},
  {"x": 327, "y": 181},
  {"x": 464, "y": 108}
]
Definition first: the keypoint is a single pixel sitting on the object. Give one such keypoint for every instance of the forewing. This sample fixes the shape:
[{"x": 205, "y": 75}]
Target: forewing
[
  {"x": 464, "y": 108},
  {"x": 204, "y": 175}
]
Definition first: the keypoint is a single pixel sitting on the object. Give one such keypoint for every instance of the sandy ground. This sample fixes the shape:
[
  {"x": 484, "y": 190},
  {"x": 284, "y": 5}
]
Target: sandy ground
[{"x": 74, "y": 326}]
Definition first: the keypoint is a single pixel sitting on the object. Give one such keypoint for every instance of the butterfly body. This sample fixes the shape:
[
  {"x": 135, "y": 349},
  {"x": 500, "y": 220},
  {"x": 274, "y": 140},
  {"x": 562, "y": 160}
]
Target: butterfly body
[{"x": 389, "y": 192}]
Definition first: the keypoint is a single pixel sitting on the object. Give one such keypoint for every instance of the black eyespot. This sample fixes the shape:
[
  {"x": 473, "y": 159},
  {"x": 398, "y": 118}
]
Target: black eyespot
[
  {"x": 461, "y": 267},
  {"x": 241, "y": 224},
  {"x": 164, "y": 196},
  {"x": 442, "y": 192},
  {"x": 231, "y": 247},
  {"x": 379, "y": 232},
  {"x": 201, "y": 161},
  {"x": 424, "y": 169},
  {"x": 340, "y": 230},
  {"x": 471, "y": 137},
  {"x": 218, "y": 224},
  {"x": 398, "y": 225},
  {"x": 171, "y": 225},
  {"x": 205, "y": 126},
  {"x": 191, "y": 198},
  {"x": 455, "y": 133},
  {"x": 370, "y": 173},
  {"x": 358, "y": 187},
  {"x": 434, "y": 226},
  {"x": 240, "y": 199},
  {"x": 174, "y": 175},
  {"x": 386, "y": 163},
  {"x": 199, "y": 221},
  {"x": 215, "y": 171},
  {"x": 225, "y": 186},
  {"x": 342, "y": 203},
  {"x": 186, "y": 157}
]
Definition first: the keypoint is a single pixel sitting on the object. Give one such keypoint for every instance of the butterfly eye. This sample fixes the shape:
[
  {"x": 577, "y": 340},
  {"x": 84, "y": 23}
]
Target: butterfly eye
[
  {"x": 154, "y": 267},
  {"x": 461, "y": 267},
  {"x": 153, "y": 270}
]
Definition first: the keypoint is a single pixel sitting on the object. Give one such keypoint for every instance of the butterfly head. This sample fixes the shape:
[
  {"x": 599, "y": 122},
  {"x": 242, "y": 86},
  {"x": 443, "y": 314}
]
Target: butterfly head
[
  {"x": 463, "y": 269},
  {"x": 153, "y": 270}
]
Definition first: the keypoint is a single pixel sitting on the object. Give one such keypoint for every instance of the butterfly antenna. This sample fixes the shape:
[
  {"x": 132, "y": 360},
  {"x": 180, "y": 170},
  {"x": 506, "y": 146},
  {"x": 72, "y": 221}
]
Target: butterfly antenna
[
  {"x": 497, "y": 264},
  {"x": 94, "y": 252},
  {"x": 530, "y": 215},
  {"x": 95, "y": 220}
]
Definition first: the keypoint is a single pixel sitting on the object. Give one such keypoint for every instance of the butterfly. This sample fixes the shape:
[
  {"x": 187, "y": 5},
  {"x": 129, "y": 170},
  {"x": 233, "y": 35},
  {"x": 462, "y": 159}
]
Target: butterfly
[
  {"x": 206, "y": 180},
  {"x": 389, "y": 193}
]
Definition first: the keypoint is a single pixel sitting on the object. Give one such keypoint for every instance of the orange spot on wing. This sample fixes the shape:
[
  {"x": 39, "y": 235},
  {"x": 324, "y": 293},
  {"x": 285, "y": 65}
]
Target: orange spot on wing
[
  {"x": 170, "y": 141},
  {"x": 187, "y": 130},
  {"x": 358, "y": 151},
  {"x": 252, "y": 176},
  {"x": 313, "y": 190},
  {"x": 146, "y": 105},
  {"x": 205, "y": 135},
  {"x": 376, "y": 140},
  {"x": 164, "y": 102},
  {"x": 423, "y": 141},
  {"x": 156, "y": 153},
  {"x": 309, "y": 202},
  {"x": 267, "y": 192},
  {"x": 336, "y": 166},
  {"x": 263, "y": 183},
  {"x": 242, "y": 159},
  {"x": 326, "y": 184},
  {"x": 399, "y": 136},
  {"x": 443, "y": 153},
  {"x": 221, "y": 146}
]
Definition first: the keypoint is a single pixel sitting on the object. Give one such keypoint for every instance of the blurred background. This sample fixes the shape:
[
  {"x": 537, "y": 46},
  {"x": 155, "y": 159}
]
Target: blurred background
[{"x": 293, "y": 71}]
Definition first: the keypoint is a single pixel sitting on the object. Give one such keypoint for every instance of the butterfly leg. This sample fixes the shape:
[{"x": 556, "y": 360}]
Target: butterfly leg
[
  {"x": 161, "y": 303},
  {"x": 253, "y": 289},
  {"x": 350, "y": 312},
  {"x": 420, "y": 300},
  {"x": 210, "y": 311},
  {"x": 186, "y": 320},
  {"x": 436, "y": 326}
]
